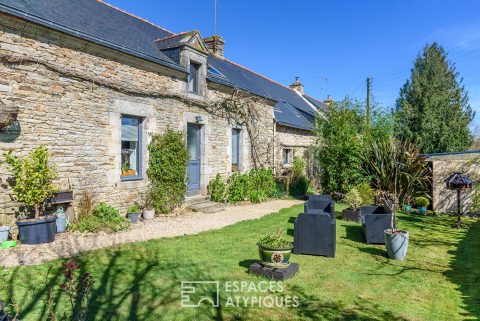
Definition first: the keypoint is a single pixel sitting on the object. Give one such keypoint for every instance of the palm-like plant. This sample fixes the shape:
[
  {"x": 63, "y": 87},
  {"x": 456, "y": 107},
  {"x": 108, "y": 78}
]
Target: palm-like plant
[{"x": 398, "y": 168}]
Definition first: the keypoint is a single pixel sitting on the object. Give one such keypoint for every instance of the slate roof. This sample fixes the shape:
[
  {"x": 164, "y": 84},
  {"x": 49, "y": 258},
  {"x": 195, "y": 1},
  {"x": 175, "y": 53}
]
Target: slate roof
[{"x": 99, "y": 22}]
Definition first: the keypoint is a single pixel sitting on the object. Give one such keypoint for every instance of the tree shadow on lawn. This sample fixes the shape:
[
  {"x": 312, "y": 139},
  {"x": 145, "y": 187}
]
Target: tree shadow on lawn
[
  {"x": 354, "y": 233},
  {"x": 312, "y": 308},
  {"x": 138, "y": 289},
  {"x": 465, "y": 270}
]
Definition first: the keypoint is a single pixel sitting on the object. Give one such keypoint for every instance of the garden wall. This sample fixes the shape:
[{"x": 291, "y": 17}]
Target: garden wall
[
  {"x": 443, "y": 165},
  {"x": 71, "y": 96}
]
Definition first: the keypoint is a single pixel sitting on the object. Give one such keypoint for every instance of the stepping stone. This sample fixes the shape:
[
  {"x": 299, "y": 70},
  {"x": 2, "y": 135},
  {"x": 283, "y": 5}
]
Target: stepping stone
[{"x": 277, "y": 274}]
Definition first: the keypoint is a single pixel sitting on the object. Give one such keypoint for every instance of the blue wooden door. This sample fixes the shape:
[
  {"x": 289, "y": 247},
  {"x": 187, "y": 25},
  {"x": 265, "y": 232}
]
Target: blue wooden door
[{"x": 193, "y": 170}]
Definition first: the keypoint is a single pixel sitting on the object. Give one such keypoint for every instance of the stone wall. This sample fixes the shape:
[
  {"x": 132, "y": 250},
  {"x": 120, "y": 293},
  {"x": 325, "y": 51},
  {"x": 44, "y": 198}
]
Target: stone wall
[
  {"x": 71, "y": 95},
  {"x": 297, "y": 140},
  {"x": 445, "y": 200}
]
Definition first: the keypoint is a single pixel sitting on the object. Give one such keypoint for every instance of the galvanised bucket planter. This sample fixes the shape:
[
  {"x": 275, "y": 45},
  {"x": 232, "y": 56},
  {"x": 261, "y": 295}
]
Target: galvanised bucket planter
[
  {"x": 274, "y": 257},
  {"x": 397, "y": 244},
  {"x": 4, "y": 230}
]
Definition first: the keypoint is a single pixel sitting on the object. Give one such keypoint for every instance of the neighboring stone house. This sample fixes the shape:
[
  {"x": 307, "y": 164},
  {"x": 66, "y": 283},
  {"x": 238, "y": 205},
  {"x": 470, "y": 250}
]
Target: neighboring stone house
[
  {"x": 93, "y": 83},
  {"x": 445, "y": 164}
]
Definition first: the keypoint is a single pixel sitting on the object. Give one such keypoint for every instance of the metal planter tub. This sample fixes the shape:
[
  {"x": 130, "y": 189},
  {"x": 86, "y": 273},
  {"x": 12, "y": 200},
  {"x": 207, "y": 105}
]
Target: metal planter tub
[
  {"x": 4, "y": 231},
  {"x": 397, "y": 244},
  {"x": 37, "y": 231},
  {"x": 274, "y": 257}
]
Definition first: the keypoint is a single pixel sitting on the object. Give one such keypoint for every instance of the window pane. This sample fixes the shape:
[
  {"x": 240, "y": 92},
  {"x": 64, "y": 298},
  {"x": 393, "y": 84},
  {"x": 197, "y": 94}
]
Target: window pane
[
  {"x": 286, "y": 156},
  {"x": 193, "y": 78},
  {"x": 192, "y": 142},
  {"x": 130, "y": 133},
  {"x": 235, "y": 146}
]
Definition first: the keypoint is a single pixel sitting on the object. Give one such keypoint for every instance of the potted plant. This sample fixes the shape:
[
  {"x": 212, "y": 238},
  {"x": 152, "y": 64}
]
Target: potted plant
[
  {"x": 396, "y": 240},
  {"x": 133, "y": 213},
  {"x": 275, "y": 250},
  {"x": 148, "y": 206},
  {"x": 33, "y": 177},
  {"x": 126, "y": 171},
  {"x": 354, "y": 200},
  {"x": 422, "y": 204}
]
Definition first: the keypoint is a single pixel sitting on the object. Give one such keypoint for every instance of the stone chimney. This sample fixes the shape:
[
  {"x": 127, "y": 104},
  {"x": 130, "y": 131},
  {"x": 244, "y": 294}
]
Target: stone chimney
[
  {"x": 328, "y": 101},
  {"x": 215, "y": 45},
  {"x": 297, "y": 85}
]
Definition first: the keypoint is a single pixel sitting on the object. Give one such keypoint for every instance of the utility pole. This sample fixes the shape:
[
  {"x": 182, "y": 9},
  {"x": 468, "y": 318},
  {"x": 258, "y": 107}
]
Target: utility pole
[{"x": 369, "y": 84}]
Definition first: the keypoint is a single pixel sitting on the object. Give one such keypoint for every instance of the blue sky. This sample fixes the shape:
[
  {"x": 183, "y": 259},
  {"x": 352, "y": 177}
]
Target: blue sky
[{"x": 332, "y": 45}]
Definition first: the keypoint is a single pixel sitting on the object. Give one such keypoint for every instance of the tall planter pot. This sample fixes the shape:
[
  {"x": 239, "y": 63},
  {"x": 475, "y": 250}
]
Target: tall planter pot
[
  {"x": 4, "y": 230},
  {"x": 397, "y": 244},
  {"x": 37, "y": 231},
  {"x": 274, "y": 257},
  {"x": 148, "y": 214}
]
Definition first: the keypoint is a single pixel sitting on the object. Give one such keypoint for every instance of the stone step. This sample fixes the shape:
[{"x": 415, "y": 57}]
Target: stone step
[
  {"x": 197, "y": 200},
  {"x": 207, "y": 207}
]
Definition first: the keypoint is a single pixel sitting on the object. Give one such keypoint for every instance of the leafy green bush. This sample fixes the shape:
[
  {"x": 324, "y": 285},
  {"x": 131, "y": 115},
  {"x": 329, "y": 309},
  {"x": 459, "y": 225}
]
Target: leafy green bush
[
  {"x": 262, "y": 181},
  {"x": 353, "y": 199},
  {"x": 257, "y": 185},
  {"x": 299, "y": 186},
  {"x": 340, "y": 147},
  {"x": 33, "y": 177},
  {"x": 167, "y": 170},
  {"x": 237, "y": 187},
  {"x": 103, "y": 218},
  {"x": 275, "y": 239},
  {"x": 422, "y": 201},
  {"x": 366, "y": 193},
  {"x": 134, "y": 209},
  {"x": 298, "y": 166},
  {"x": 217, "y": 189}
]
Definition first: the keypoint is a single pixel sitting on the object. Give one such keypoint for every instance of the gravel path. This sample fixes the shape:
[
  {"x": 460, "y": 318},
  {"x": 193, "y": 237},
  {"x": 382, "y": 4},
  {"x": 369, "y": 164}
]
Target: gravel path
[{"x": 71, "y": 244}]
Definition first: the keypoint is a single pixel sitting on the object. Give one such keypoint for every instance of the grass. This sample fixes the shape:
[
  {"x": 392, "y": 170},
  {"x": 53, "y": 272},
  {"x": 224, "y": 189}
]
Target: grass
[{"x": 141, "y": 281}]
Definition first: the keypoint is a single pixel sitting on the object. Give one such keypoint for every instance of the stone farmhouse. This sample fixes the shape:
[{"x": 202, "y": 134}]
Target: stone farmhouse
[{"x": 93, "y": 82}]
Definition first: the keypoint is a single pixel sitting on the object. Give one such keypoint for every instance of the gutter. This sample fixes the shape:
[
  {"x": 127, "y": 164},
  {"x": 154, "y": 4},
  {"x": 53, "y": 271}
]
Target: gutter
[{"x": 79, "y": 34}]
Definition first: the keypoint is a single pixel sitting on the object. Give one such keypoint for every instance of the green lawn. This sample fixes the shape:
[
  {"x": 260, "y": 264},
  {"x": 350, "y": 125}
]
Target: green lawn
[{"x": 439, "y": 281}]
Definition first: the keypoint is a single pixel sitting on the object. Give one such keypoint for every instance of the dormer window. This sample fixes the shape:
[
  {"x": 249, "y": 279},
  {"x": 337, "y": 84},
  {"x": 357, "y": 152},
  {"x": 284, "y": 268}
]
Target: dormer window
[{"x": 193, "y": 78}]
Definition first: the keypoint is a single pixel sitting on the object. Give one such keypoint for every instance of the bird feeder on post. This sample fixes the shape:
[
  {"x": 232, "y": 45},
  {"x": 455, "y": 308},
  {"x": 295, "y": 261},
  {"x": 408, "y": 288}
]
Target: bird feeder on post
[{"x": 458, "y": 182}]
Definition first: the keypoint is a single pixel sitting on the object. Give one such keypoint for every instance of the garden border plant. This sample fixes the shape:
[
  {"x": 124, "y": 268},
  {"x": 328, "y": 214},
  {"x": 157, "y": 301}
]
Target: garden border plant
[{"x": 33, "y": 185}]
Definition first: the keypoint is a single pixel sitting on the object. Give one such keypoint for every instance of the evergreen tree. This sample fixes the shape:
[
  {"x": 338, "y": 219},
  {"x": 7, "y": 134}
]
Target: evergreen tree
[{"x": 433, "y": 109}]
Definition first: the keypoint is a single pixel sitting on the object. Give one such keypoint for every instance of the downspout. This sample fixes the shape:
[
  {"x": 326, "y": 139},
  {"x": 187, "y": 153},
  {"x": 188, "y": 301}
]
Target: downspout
[{"x": 274, "y": 167}]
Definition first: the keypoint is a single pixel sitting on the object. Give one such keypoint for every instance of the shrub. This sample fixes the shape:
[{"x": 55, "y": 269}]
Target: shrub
[
  {"x": 217, "y": 189},
  {"x": 353, "y": 199},
  {"x": 298, "y": 166},
  {"x": 237, "y": 188},
  {"x": 275, "y": 239},
  {"x": 366, "y": 193},
  {"x": 33, "y": 177},
  {"x": 257, "y": 196},
  {"x": 167, "y": 170},
  {"x": 135, "y": 208},
  {"x": 262, "y": 181},
  {"x": 104, "y": 217},
  {"x": 299, "y": 186},
  {"x": 422, "y": 201},
  {"x": 340, "y": 147}
]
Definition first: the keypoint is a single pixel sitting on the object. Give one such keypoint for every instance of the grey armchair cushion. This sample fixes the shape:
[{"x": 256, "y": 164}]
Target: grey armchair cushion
[{"x": 320, "y": 204}]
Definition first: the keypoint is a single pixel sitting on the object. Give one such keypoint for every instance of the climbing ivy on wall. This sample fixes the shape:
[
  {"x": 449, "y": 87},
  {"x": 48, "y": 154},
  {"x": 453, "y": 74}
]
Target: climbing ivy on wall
[{"x": 167, "y": 170}]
